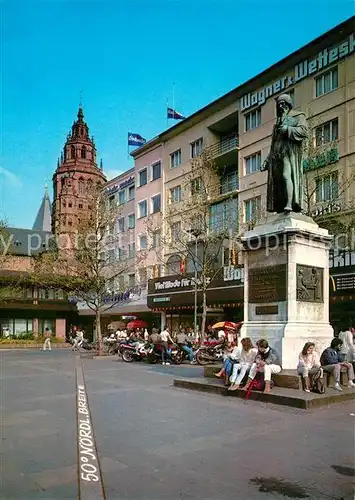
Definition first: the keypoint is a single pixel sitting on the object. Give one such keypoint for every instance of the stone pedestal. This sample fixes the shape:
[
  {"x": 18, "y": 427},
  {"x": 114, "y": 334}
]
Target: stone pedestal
[{"x": 286, "y": 290}]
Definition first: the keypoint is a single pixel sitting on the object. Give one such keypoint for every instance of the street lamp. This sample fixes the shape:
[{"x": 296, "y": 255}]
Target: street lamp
[{"x": 196, "y": 233}]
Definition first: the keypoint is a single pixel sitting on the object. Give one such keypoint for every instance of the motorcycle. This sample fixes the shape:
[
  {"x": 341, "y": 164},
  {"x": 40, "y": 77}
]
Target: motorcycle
[
  {"x": 154, "y": 354},
  {"x": 131, "y": 352},
  {"x": 210, "y": 352}
]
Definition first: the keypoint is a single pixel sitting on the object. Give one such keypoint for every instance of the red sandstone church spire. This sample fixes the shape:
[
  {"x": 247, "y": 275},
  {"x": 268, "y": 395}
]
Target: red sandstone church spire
[{"x": 76, "y": 172}]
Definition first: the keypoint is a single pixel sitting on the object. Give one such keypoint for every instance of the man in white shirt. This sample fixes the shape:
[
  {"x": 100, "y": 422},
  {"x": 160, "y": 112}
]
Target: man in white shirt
[{"x": 165, "y": 338}]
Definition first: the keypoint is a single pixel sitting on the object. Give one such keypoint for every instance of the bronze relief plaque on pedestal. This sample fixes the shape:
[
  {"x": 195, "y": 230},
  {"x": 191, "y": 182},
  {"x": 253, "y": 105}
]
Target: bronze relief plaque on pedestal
[
  {"x": 309, "y": 283},
  {"x": 267, "y": 284}
]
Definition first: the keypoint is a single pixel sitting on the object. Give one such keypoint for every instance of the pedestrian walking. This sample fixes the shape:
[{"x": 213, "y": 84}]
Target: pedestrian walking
[{"x": 47, "y": 340}]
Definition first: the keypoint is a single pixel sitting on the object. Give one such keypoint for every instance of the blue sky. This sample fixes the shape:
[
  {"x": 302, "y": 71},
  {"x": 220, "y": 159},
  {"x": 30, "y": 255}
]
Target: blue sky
[{"x": 125, "y": 56}]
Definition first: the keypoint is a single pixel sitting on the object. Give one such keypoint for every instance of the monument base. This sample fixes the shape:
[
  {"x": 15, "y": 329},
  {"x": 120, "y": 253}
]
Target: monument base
[
  {"x": 286, "y": 292},
  {"x": 288, "y": 339}
]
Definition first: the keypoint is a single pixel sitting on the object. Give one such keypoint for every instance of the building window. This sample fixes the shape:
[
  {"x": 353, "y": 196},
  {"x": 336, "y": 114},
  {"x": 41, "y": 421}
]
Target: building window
[
  {"x": 131, "y": 250},
  {"x": 156, "y": 203},
  {"x": 121, "y": 254},
  {"x": 327, "y": 82},
  {"x": 72, "y": 151},
  {"x": 142, "y": 209},
  {"x": 327, "y": 132},
  {"x": 196, "y": 186},
  {"x": 70, "y": 205},
  {"x": 327, "y": 187},
  {"x": 142, "y": 177},
  {"x": 131, "y": 193},
  {"x": 229, "y": 182},
  {"x": 175, "y": 230},
  {"x": 81, "y": 187},
  {"x": 131, "y": 280},
  {"x": 175, "y": 159},
  {"x": 83, "y": 152},
  {"x": 253, "y": 163},
  {"x": 111, "y": 202},
  {"x": 156, "y": 239},
  {"x": 143, "y": 277},
  {"x": 111, "y": 256},
  {"x": 122, "y": 197},
  {"x": 173, "y": 265},
  {"x": 80, "y": 205},
  {"x": 143, "y": 242},
  {"x": 111, "y": 228},
  {"x": 156, "y": 171},
  {"x": 224, "y": 215},
  {"x": 121, "y": 225},
  {"x": 131, "y": 221},
  {"x": 196, "y": 148},
  {"x": 253, "y": 119},
  {"x": 175, "y": 194},
  {"x": 252, "y": 209}
]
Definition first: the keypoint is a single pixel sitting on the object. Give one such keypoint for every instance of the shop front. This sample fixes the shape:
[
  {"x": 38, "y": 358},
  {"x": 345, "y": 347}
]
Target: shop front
[
  {"x": 174, "y": 298},
  {"x": 342, "y": 289}
]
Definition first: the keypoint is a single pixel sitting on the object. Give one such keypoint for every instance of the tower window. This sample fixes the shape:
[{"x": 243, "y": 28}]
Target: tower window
[
  {"x": 72, "y": 151},
  {"x": 83, "y": 152},
  {"x": 80, "y": 205},
  {"x": 70, "y": 205},
  {"x": 81, "y": 186},
  {"x": 70, "y": 223}
]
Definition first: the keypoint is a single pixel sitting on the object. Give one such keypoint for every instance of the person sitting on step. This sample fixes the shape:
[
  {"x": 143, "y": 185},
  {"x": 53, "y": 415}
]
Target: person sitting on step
[
  {"x": 268, "y": 361},
  {"x": 247, "y": 357},
  {"x": 332, "y": 361},
  {"x": 308, "y": 364},
  {"x": 231, "y": 356}
]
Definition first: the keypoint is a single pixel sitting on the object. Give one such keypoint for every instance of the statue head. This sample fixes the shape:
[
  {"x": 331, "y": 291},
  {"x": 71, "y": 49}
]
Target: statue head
[{"x": 283, "y": 104}]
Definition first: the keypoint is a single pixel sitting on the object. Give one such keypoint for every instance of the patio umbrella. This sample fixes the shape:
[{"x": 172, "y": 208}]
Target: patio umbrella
[
  {"x": 227, "y": 324},
  {"x": 137, "y": 323}
]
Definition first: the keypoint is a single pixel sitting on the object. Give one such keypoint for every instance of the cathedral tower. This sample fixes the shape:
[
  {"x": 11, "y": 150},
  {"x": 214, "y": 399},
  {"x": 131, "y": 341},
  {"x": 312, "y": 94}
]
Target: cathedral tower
[{"x": 76, "y": 172}]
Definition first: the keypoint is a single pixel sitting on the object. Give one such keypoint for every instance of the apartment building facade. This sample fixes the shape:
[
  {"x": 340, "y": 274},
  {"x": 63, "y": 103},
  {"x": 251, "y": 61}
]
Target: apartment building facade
[{"x": 236, "y": 131}]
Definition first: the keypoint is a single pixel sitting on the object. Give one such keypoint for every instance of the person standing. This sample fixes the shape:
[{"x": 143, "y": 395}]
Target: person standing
[
  {"x": 47, "y": 340},
  {"x": 165, "y": 338}
]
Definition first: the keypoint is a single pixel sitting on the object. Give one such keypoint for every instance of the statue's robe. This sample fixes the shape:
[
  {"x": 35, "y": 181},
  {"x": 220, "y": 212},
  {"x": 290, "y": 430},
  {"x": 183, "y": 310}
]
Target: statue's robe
[{"x": 286, "y": 146}]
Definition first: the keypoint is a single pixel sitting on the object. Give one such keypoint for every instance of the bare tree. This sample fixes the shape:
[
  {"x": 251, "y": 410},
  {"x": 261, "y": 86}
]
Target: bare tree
[
  {"x": 91, "y": 261},
  {"x": 322, "y": 173},
  {"x": 195, "y": 231}
]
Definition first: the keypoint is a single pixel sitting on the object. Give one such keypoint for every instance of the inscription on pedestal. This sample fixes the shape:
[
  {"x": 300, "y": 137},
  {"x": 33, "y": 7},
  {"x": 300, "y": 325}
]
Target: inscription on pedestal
[
  {"x": 309, "y": 283},
  {"x": 267, "y": 284},
  {"x": 263, "y": 310}
]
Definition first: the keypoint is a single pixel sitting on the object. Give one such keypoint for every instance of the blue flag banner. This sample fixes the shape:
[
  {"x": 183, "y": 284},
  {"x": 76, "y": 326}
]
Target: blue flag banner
[
  {"x": 135, "y": 139},
  {"x": 175, "y": 115}
]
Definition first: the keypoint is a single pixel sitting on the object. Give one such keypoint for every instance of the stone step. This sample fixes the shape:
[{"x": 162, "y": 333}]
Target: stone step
[
  {"x": 289, "y": 379},
  {"x": 278, "y": 395}
]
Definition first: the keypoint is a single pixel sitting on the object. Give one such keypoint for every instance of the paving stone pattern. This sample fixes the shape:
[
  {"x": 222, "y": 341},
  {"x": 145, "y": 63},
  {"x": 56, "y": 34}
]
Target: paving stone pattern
[{"x": 159, "y": 442}]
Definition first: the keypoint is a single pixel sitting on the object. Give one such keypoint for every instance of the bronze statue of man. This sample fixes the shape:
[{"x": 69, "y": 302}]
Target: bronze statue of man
[{"x": 284, "y": 162}]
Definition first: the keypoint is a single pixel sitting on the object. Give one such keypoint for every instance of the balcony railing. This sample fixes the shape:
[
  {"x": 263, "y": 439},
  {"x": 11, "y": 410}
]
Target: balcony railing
[
  {"x": 230, "y": 184},
  {"x": 224, "y": 146}
]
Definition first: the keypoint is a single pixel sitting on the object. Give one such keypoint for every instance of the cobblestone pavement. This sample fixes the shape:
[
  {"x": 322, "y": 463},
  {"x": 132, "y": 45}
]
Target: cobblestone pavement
[{"x": 156, "y": 442}]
